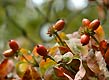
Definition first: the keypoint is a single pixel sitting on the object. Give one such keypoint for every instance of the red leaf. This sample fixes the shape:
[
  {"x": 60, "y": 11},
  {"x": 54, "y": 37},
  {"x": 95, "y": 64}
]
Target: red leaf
[{"x": 5, "y": 67}]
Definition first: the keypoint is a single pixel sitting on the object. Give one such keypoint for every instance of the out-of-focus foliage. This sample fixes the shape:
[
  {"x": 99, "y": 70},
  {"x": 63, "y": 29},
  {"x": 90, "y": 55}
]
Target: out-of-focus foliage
[{"x": 26, "y": 21}]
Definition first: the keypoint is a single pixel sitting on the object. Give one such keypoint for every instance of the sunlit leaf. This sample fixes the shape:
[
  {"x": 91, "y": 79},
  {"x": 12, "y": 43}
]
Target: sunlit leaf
[
  {"x": 100, "y": 33},
  {"x": 31, "y": 74},
  {"x": 21, "y": 68},
  {"x": 53, "y": 51},
  {"x": 35, "y": 52},
  {"x": 44, "y": 65},
  {"x": 62, "y": 36},
  {"x": 25, "y": 56}
]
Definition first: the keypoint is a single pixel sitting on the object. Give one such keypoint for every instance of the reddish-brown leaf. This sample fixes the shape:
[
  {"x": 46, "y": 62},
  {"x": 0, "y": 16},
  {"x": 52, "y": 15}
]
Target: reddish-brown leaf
[
  {"x": 31, "y": 74},
  {"x": 5, "y": 67},
  {"x": 103, "y": 47}
]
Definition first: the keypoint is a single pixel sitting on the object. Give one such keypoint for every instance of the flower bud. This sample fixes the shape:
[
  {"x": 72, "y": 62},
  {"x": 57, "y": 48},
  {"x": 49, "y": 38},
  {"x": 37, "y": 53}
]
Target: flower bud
[
  {"x": 13, "y": 45},
  {"x": 85, "y": 39},
  {"x": 85, "y": 22},
  {"x": 59, "y": 25},
  {"x": 94, "y": 24},
  {"x": 41, "y": 50}
]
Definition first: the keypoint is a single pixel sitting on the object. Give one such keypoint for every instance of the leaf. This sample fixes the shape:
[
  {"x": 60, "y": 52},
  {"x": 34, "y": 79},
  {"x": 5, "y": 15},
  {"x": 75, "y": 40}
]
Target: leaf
[
  {"x": 50, "y": 74},
  {"x": 106, "y": 57},
  {"x": 67, "y": 57},
  {"x": 81, "y": 73},
  {"x": 76, "y": 47},
  {"x": 64, "y": 49},
  {"x": 103, "y": 47},
  {"x": 63, "y": 73},
  {"x": 74, "y": 66},
  {"x": 92, "y": 62},
  {"x": 89, "y": 73},
  {"x": 102, "y": 65},
  {"x": 53, "y": 50},
  {"x": 31, "y": 74},
  {"x": 35, "y": 74},
  {"x": 99, "y": 33},
  {"x": 44, "y": 65},
  {"x": 25, "y": 56},
  {"x": 21, "y": 68},
  {"x": 6, "y": 67},
  {"x": 62, "y": 36},
  {"x": 58, "y": 57},
  {"x": 71, "y": 68},
  {"x": 35, "y": 52}
]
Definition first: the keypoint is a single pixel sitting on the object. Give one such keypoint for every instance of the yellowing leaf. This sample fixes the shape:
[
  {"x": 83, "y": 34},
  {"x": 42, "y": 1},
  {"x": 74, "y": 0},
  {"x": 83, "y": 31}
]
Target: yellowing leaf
[
  {"x": 21, "y": 68},
  {"x": 100, "y": 33},
  {"x": 45, "y": 65},
  {"x": 53, "y": 50},
  {"x": 62, "y": 36},
  {"x": 24, "y": 51},
  {"x": 25, "y": 56},
  {"x": 35, "y": 52},
  {"x": 31, "y": 74}
]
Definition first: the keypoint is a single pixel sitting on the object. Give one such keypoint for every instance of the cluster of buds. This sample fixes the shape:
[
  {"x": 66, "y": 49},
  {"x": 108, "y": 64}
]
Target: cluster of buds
[
  {"x": 90, "y": 27},
  {"x": 14, "y": 47}
]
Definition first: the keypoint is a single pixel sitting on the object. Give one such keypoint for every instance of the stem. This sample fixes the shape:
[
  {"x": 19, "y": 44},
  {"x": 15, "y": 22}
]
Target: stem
[
  {"x": 36, "y": 63},
  {"x": 51, "y": 58},
  {"x": 95, "y": 39},
  {"x": 59, "y": 38},
  {"x": 26, "y": 59}
]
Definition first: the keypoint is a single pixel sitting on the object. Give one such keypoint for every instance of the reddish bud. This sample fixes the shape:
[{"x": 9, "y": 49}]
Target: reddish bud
[
  {"x": 13, "y": 45},
  {"x": 85, "y": 22},
  {"x": 94, "y": 24},
  {"x": 85, "y": 39},
  {"x": 59, "y": 25},
  {"x": 8, "y": 53},
  {"x": 41, "y": 50}
]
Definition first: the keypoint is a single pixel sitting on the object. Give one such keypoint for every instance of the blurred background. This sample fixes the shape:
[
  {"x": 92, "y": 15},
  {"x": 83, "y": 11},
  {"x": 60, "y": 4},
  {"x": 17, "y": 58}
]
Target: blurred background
[{"x": 27, "y": 21}]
